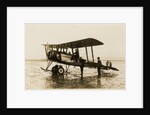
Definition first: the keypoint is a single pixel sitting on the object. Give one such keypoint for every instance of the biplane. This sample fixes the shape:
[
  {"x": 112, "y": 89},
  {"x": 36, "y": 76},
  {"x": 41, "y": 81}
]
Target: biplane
[{"x": 64, "y": 54}]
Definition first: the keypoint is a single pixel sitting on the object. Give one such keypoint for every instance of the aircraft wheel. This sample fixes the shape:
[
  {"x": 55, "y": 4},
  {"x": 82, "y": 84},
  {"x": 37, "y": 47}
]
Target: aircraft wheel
[
  {"x": 55, "y": 69},
  {"x": 61, "y": 70}
]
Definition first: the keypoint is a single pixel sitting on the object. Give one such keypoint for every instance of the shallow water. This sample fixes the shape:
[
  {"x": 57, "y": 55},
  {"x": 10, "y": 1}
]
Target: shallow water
[{"x": 36, "y": 78}]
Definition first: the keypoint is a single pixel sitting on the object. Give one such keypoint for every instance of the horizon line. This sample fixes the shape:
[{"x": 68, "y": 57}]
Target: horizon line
[{"x": 46, "y": 59}]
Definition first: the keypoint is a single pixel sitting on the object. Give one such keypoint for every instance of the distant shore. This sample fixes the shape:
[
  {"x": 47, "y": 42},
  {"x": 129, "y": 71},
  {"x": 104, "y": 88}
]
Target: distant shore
[{"x": 46, "y": 60}]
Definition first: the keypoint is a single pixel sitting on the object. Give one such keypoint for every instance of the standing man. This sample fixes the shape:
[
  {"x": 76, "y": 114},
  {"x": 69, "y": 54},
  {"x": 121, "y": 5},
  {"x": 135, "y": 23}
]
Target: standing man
[
  {"x": 82, "y": 61},
  {"x": 99, "y": 66},
  {"x": 108, "y": 64},
  {"x": 76, "y": 55}
]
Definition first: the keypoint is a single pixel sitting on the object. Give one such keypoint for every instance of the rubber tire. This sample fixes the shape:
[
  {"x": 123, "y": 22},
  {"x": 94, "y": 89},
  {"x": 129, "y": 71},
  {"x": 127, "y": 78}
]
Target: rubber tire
[
  {"x": 54, "y": 70},
  {"x": 61, "y": 70}
]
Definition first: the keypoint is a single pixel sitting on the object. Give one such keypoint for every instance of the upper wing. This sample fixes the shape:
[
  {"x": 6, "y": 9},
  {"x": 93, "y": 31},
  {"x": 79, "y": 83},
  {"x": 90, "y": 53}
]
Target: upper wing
[{"x": 77, "y": 44}]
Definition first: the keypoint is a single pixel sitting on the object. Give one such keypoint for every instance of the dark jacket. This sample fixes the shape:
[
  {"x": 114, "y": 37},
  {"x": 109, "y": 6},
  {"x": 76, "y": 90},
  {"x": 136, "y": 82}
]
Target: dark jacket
[{"x": 99, "y": 63}]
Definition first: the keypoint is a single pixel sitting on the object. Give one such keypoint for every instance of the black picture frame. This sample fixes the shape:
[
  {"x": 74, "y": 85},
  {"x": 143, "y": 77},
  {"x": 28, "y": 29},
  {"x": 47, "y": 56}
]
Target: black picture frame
[{"x": 44, "y": 3}]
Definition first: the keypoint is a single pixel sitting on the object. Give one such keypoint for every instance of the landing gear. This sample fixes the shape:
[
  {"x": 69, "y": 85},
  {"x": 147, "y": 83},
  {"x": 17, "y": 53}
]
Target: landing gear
[
  {"x": 58, "y": 70},
  {"x": 55, "y": 69}
]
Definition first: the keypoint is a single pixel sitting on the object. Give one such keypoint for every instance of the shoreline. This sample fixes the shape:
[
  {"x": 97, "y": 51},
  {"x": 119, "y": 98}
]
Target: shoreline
[{"x": 46, "y": 60}]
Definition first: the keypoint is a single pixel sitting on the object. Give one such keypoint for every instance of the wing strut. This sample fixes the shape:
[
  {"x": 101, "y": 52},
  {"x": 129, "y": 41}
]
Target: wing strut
[
  {"x": 92, "y": 53},
  {"x": 86, "y": 53},
  {"x": 49, "y": 63},
  {"x": 46, "y": 51}
]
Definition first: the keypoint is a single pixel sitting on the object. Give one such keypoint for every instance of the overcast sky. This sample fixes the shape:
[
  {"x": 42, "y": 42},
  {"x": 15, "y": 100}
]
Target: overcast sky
[{"x": 112, "y": 35}]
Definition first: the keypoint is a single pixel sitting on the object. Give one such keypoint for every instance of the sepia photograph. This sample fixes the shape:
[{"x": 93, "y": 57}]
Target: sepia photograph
[{"x": 75, "y": 56}]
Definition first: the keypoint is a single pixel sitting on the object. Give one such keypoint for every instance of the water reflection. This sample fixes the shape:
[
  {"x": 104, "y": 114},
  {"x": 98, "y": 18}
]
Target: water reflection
[
  {"x": 99, "y": 82},
  {"x": 61, "y": 82},
  {"x": 57, "y": 77},
  {"x": 58, "y": 80}
]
